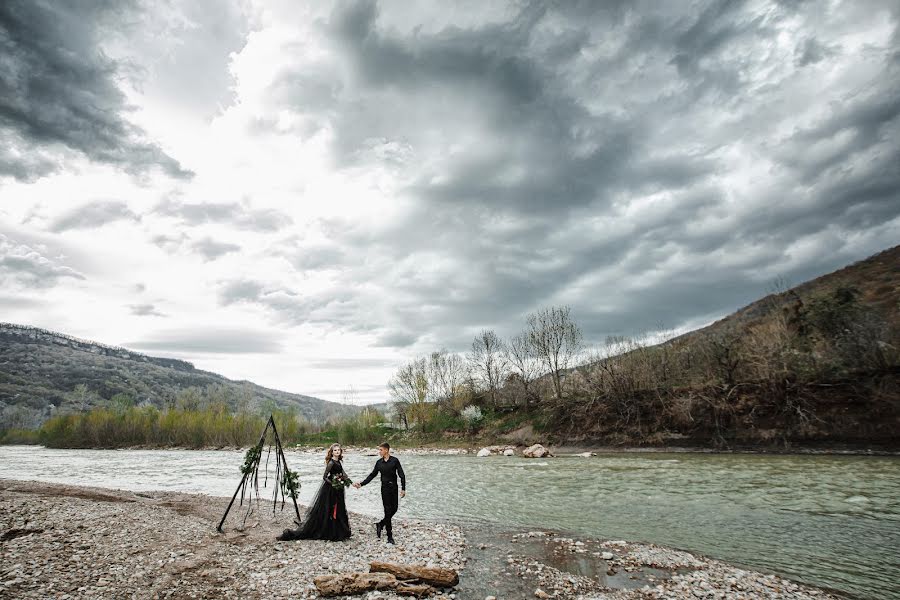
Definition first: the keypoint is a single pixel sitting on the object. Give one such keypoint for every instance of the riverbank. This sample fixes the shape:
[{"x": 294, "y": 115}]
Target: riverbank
[
  {"x": 63, "y": 541},
  {"x": 557, "y": 450}
]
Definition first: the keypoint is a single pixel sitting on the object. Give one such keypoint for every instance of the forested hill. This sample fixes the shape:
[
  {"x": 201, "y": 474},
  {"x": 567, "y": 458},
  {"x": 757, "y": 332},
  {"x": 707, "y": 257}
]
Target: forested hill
[{"x": 43, "y": 372}]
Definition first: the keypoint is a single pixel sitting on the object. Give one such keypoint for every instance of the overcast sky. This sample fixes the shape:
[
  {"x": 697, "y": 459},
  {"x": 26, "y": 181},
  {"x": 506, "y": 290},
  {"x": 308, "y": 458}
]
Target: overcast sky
[{"x": 308, "y": 196}]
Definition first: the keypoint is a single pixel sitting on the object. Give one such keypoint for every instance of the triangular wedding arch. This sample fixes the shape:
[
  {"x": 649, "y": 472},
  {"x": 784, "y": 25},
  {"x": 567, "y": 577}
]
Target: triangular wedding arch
[{"x": 286, "y": 481}]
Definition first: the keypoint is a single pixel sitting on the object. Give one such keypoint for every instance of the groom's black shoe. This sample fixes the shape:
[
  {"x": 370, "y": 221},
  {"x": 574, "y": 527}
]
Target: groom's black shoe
[
  {"x": 390, "y": 539},
  {"x": 378, "y": 527}
]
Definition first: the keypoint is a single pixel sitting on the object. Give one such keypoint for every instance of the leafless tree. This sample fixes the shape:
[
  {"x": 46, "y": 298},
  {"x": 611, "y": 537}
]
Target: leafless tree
[
  {"x": 723, "y": 355},
  {"x": 447, "y": 376},
  {"x": 409, "y": 386},
  {"x": 523, "y": 361},
  {"x": 488, "y": 361},
  {"x": 556, "y": 340}
]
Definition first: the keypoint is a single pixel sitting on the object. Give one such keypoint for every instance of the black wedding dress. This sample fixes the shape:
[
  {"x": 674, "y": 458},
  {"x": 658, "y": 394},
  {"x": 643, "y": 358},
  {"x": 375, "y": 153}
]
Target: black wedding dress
[{"x": 326, "y": 518}]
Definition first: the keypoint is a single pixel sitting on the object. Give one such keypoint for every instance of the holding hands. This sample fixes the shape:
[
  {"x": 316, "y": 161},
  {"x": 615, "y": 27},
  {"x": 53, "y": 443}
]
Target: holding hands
[{"x": 356, "y": 485}]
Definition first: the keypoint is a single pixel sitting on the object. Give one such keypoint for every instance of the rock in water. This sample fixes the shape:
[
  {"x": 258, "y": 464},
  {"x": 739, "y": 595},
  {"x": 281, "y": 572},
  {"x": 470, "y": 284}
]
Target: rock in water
[
  {"x": 484, "y": 452},
  {"x": 536, "y": 451},
  {"x": 509, "y": 452}
]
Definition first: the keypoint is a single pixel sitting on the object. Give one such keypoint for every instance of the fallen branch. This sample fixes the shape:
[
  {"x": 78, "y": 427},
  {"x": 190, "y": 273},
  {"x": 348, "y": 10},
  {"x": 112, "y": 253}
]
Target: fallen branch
[
  {"x": 354, "y": 583},
  {"x": 434, "y": 576},
  {"x": 357, "y": 583}
]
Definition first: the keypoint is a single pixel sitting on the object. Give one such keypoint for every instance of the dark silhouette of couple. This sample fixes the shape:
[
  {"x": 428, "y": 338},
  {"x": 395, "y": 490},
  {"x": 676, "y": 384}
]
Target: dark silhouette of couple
[{"x": 326, "y": 518}]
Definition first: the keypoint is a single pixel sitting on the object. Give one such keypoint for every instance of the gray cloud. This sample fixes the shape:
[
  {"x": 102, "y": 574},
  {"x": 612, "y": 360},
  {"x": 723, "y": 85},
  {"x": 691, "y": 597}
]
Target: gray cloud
[
  {"x": 58, "y": 92},
  {"x": 145, "y": 310},
  {"x": 170, "y": 243},
  {"x": 237, "y": 291},
  {"x": 211, "y": 249},
  {"x": 93, "y": 215},
  {"x": 24, "y": 266},
  {"x": 811, "y": 51},
  {"x": 211, "y": 341},
  {"x": 240, "y": 216},
  {"x": 586, "y": 154},
  {"x": 329, "y": 308},
  {"x": 396, "y": 339}
]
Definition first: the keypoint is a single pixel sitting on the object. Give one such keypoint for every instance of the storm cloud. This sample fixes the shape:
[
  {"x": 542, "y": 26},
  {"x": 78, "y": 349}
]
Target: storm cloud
[
  {"x": 649, "y": 165},
  {"x": 59, "y": 94},
  {"x": 377, "y": 180}
]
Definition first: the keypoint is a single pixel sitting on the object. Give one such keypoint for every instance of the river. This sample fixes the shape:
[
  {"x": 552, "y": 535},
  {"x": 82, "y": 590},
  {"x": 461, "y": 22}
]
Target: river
[{"x": 832, "y": 521}]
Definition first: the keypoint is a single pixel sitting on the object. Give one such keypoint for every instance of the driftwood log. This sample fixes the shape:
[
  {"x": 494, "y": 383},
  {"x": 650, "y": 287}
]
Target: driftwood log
[
  {"x": 356, "y": 583},
  {"x": 433, "y": 576},
  {"x": 353, "y": 583}
]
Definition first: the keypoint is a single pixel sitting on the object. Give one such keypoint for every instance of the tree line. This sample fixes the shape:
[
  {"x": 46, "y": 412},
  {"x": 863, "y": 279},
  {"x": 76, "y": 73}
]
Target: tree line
[
  {"x": 742, "y": 377},
  {"x": 493, "y": 372}
]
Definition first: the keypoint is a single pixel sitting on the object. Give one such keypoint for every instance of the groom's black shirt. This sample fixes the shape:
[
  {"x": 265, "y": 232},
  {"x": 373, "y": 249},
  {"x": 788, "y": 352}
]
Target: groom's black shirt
[{"x": 389, "y": 470}]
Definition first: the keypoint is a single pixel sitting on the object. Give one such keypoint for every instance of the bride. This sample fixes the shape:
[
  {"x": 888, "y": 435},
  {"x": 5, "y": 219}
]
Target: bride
[{"x": 326, "y": 518}]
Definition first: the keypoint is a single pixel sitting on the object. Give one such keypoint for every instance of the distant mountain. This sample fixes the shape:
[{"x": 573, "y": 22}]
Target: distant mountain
[{"x": 42, "y": 372}]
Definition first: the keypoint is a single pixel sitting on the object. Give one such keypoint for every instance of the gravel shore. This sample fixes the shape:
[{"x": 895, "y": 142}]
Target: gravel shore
[
  {"x": 62, "y": 541},
  {"x": 76, "y": 542}
]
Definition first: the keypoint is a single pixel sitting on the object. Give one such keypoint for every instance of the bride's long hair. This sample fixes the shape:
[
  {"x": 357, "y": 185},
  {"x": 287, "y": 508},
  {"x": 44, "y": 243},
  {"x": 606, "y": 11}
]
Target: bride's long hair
[{"x": 330, "y": 454}]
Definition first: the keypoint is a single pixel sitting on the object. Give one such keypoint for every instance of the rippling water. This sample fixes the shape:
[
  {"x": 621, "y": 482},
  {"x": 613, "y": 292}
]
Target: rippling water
[{"x": 832, "y": 521}]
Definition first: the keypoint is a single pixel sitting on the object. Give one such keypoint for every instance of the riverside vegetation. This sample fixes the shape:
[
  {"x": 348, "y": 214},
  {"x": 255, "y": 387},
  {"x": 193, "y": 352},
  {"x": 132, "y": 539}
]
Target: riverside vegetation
[{"x": 816, "y": 364}]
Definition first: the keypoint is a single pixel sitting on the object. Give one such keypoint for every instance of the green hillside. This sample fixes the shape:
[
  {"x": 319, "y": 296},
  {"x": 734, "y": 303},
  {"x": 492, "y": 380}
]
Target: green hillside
[{"x": 43, "y": 373}]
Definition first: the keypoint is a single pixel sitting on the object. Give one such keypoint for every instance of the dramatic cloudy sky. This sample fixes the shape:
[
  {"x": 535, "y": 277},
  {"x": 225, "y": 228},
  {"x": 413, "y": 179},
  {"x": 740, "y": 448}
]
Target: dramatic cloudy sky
[{"x": 307, "y": 196}]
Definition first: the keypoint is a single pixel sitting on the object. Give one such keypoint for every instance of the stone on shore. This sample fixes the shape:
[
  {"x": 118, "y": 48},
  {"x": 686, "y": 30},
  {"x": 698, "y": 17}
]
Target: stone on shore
[{"x": 483, "y": 452}]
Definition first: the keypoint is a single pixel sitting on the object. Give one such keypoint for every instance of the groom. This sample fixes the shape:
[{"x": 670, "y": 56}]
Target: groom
[{"x": 390, "y": 468}]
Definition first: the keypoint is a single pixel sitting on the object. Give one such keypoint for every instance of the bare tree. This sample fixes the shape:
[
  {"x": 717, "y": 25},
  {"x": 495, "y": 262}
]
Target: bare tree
[
  {"x": 447, "y": 376},
  {"x": 556, "y": 340},
  {"x": 523, "y": 361},
  {"x": 722, "y": 350},
  {"x": 488, "y": 361},
  {"x": 409, "y": 387},
  {"x": 350, "y": 396}
]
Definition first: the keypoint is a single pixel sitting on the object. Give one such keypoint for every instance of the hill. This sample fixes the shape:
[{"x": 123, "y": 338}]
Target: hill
[
  {"x": 816, "y": 364},
  {"x": 44, "y": 372},
  {"x": 874, "y": 280}
]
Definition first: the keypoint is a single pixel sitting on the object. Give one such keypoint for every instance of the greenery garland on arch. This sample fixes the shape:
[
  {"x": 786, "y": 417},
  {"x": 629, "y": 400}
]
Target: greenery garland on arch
[{"x": 286, "y": 482}]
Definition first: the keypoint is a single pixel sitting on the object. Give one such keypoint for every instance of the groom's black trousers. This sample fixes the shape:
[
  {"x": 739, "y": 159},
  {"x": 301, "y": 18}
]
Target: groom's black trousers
[{"x": 390, "y": 500}]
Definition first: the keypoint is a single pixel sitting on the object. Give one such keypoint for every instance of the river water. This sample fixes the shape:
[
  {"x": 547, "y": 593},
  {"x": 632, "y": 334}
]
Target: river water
[{"x": 831, "y": 521}]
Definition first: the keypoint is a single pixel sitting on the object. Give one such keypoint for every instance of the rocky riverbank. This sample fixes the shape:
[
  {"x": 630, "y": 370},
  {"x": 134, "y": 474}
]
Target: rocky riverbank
[{"x": 61, "y": 541}]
